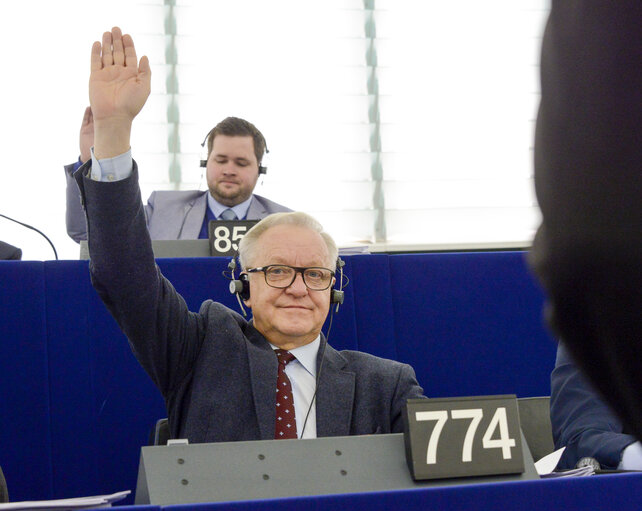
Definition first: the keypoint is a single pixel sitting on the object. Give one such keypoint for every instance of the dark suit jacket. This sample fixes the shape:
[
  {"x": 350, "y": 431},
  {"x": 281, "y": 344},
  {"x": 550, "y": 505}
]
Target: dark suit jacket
[
  {"x": 4, "y": 493},
  {"x": 588, "y": 161},
  {"x": 9, "y": 251},
  {"x": 581, "y": 420},
  {"x": 216, "y": 372},
  {"x": 171, "y": 215}
]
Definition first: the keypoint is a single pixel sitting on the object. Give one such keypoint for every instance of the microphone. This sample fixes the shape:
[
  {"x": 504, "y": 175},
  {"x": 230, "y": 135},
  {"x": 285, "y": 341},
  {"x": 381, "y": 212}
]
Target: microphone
[{"x": 33, "y": 229}]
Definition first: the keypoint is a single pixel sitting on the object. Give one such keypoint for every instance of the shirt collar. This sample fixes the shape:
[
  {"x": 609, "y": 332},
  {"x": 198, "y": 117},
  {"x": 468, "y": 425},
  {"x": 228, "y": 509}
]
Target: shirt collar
[
  {"x": 307, "y": 355},
  {"x": 217, "y": 208}
]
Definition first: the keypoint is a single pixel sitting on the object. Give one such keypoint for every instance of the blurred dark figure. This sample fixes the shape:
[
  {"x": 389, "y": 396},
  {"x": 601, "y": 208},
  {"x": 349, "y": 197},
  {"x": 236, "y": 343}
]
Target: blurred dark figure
[{"x": 588, "y": 178}]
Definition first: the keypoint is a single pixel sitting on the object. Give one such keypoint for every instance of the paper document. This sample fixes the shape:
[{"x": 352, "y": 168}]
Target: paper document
[
  {"x": 98, "y": 501},
  {"x": 548, "y": 463},
  {"x": 546, "y": 466}
]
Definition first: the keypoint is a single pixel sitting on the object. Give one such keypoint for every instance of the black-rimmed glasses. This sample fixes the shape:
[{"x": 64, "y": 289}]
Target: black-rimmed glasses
[{"x": 281, "y": 276}]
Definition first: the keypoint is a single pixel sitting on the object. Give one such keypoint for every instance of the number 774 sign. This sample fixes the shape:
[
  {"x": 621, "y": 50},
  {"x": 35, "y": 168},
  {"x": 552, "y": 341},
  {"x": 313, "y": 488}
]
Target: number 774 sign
[{"x": 460, "y": 437}]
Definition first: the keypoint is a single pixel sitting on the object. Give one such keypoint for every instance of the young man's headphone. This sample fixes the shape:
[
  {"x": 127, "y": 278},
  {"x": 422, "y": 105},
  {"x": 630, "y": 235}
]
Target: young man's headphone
[
  {"x": 262, "y": 169},
  {"x": 241, "y": 286}
]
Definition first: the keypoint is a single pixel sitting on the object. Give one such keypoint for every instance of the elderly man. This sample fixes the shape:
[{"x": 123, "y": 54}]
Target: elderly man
[
  {"x": 235, "y": 148},
  {"x": 218, "y": 372}
]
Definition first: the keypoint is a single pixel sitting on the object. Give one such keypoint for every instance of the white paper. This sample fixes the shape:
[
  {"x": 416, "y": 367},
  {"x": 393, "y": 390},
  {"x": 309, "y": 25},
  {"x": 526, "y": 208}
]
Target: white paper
[
  {"x": 98, "y": 501},
  {"x": 548, "y": 463}
]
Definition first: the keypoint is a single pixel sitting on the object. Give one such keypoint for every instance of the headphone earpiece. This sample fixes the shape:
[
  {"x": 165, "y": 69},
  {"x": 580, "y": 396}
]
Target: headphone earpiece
[
  {"x": 204, "y": 161},
  {"x": 241, "y": 287},
  {"x": 337, "y": 295}
]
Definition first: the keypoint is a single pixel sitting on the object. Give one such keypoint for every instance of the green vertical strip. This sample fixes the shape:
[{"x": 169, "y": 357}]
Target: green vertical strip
[
  {"x": 376, "y": 169},
  {"x": 171, "y": 85}
]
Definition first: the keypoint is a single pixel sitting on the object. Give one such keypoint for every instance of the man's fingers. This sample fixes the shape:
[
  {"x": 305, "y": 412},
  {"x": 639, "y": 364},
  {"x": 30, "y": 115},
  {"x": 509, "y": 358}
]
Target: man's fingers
[
  {"x": 144, "y": 69},
  {"x": 117, "y": 43},
  {"x": 130, "y": 51},
  {"x": 86, "y": 119},
  {"x": 107, "y": 57},
  {"x": 96, "y": 61}
]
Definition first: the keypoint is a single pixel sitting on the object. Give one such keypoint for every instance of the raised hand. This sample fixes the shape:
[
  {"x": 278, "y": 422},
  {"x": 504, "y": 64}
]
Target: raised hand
[
  {"x": 118, "y": 89},
  {"x": 86, "y": 136}
]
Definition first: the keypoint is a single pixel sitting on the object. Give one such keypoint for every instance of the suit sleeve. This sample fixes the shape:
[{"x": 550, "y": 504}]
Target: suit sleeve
[
  {"x": 588, "y": 155},
  {"x": 407, "y": 388},
  {"x": 74, "y": 214},
  {"x": 581, "y": 420},
  {"x": 164, "y": 335}
]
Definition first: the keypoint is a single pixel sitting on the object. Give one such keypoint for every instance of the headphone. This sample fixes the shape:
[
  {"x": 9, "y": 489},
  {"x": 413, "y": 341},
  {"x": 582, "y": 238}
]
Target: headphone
[
  {"x": 262, "y": 169},
  {"x": 241, "y": 286}
]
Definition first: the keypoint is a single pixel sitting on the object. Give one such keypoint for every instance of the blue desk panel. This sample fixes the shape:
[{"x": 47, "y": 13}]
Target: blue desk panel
[{"x": 618, "y": 492}]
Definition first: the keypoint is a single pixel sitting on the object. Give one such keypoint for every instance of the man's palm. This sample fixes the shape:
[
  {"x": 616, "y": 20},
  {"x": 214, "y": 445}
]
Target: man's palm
[{"x": 118, "y": 86}]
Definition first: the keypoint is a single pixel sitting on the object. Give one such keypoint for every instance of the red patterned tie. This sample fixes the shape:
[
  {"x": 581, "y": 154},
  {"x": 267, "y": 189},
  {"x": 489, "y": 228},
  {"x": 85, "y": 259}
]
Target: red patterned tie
[{"x": 285, "y": 418}]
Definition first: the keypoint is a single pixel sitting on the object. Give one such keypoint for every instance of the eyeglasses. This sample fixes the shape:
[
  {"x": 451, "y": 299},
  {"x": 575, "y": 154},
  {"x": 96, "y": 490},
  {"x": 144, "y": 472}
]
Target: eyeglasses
[{"x": 281, "y": 276}]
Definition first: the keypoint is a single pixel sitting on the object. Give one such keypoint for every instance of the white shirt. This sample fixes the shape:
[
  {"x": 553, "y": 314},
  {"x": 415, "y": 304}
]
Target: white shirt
[{"x": 631, "y": 457}]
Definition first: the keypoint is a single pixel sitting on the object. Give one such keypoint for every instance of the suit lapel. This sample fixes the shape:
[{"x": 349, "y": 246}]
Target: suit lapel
[
  {"x": 194, "y": 214},
  {"x": 256, "y": 211},
  {"x": 263, "y": 371},
  {"x": 335, "y": 395}
]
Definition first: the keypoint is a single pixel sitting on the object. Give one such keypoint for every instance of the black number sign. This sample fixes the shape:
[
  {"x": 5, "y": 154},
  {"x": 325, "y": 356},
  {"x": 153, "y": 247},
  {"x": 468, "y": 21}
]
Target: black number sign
[
  {"x": 225, "y": 235},
  {"x": 459, "y": 437}
]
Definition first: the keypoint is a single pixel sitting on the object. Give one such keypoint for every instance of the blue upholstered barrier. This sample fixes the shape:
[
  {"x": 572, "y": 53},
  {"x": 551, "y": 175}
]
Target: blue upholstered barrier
[
  {"x": 25, "y": 442},
  {"x": 471, "y": 324},
  {"x": 77, "y": 406}
]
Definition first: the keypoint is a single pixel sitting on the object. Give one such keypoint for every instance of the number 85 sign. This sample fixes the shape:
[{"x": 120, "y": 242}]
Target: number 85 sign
[
  {"x": 225, "y": 235},
  {"x": 459, "y": 437}
]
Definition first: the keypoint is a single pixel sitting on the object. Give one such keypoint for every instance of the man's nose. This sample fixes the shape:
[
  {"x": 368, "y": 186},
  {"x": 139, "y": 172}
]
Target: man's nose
[
  {"x": 298, "y": 286},
  {"x": 229, "y": 168}
]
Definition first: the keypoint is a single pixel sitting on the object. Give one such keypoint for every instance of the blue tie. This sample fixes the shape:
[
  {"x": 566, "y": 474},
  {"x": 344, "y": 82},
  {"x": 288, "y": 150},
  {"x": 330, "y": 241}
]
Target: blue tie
[{"x": 228, "y": 214}]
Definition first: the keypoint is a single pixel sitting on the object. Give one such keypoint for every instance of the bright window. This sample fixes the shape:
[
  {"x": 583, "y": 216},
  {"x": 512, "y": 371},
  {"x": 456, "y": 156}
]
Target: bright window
[{"x": 394, "y": 122}]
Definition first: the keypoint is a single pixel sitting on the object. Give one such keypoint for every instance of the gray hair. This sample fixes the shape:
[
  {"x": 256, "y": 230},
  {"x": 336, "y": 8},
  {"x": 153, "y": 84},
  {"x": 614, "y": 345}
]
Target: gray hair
[{"x": 248, "y": 244}]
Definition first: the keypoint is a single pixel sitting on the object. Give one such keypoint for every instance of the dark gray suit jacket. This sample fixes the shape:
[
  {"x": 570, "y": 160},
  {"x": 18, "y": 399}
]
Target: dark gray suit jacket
[
  {"x": 9, "y": 251},
  {"x": 4, "y": 493},
  {"x": 216, "y": 372},
  {"x": 171, "y": 215}
]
